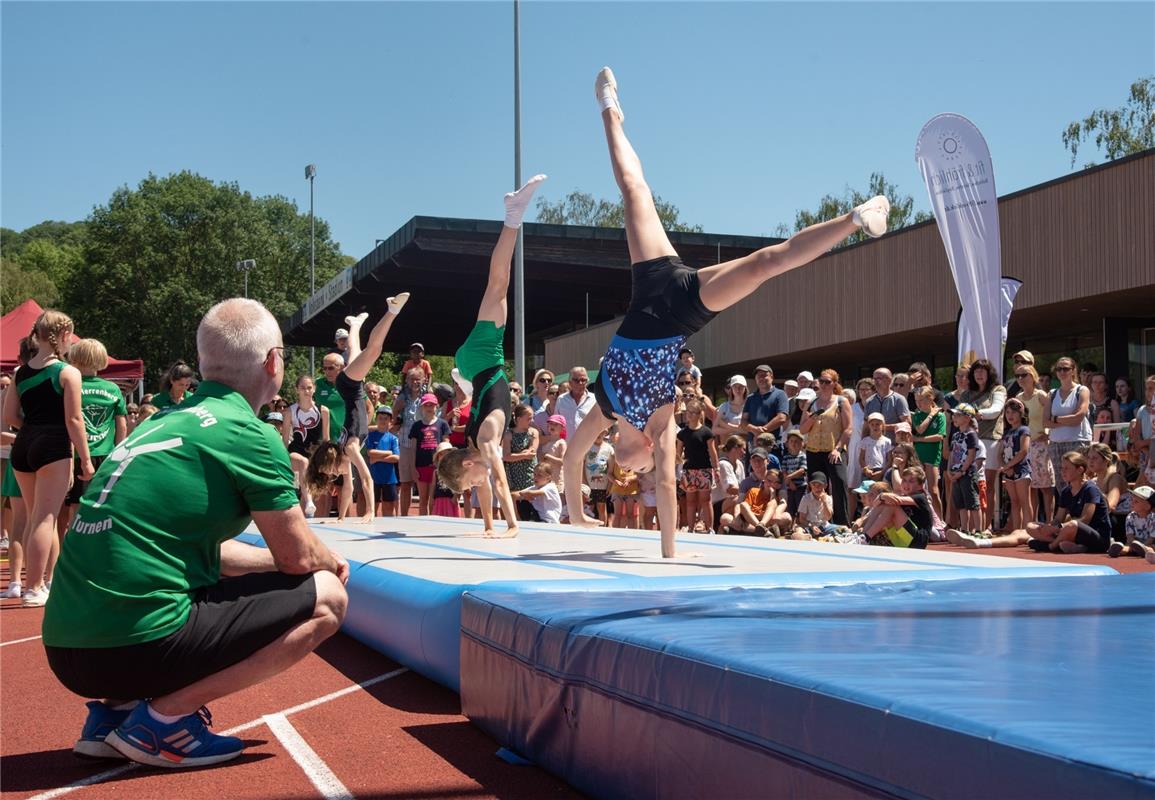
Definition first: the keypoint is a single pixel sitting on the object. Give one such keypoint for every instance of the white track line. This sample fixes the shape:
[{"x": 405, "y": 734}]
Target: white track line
[
  {"x": 19, "y": 641},
  {"x": 314, "y": 767},
  {"x": 116, "y": 772}
]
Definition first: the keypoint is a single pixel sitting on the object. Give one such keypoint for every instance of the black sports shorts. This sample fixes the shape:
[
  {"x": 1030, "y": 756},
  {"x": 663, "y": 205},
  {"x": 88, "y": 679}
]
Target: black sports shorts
[
  {"x": 37, "y": 446},
  {"x": 228, "y": 622}
]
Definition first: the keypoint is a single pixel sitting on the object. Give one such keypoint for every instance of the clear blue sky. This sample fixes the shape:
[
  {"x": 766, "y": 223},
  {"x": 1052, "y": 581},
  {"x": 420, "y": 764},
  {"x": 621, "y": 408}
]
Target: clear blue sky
[{"x": 742, "y": 112}]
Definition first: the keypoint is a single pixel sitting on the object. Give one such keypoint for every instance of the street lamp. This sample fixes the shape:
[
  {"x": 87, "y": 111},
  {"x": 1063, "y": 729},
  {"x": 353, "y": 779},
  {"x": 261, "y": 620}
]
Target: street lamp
[
  {"x": 245, "y": 266},
  {"x": 310, "y": 174}
]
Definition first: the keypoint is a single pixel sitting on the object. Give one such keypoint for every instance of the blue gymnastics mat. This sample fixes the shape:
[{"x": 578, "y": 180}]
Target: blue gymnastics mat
[
  {"x": 408, "y": 573},
  {"x": 1004, "y": 688}
]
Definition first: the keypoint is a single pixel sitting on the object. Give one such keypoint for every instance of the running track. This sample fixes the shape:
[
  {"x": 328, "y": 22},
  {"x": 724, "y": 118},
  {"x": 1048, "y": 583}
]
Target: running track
[{"x": 344, "y": 722}]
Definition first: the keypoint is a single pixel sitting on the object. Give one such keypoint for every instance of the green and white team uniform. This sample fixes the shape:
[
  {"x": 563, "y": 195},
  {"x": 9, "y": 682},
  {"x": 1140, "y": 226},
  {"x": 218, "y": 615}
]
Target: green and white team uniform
[
  {"x": 101, "y": 403},
  {"x": 139, "y": 550},
  {"x": 328, "y": 395},
  {"x": 164, "y": 400}
]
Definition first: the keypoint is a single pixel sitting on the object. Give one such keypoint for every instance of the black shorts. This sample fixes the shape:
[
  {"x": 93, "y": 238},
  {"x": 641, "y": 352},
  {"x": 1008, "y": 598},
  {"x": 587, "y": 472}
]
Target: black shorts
[
  {"x": 228, "y": 622},
  {"x": 37, "y": 446},
  {"x": 491, "y": 393},
  {"x": 384, "y": 492},
  {"x": 79, "y": 486},
  {"x": 1095, "y": 541},
  {"x": 665, "y": 301},
  {"x": 598, "y": 497},
  {"x": 356, "y": 417},
  {"x": 964, "y": 493}
]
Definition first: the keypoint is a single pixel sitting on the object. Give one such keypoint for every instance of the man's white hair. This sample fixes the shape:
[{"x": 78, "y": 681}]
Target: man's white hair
[{"x": 233, "y": 340}]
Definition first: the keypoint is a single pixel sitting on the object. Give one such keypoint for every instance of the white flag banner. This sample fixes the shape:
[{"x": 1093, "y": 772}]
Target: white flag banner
[
  {"x": 956, "y": 166},
  {"x": 1008, "y": 288}
]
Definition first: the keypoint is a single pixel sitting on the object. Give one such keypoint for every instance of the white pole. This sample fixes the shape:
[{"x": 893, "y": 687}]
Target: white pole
[
  {"x": 311, "y": 173},
  {"x": 519, "y": 248}
]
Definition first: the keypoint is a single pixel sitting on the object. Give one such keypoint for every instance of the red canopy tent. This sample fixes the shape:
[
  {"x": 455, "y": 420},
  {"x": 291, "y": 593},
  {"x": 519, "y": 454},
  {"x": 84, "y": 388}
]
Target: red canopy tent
[{"x": 17, "y": 324}]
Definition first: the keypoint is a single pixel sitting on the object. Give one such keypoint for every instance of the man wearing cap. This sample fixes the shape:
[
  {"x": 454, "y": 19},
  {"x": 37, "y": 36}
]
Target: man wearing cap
[
  {"x": 327, "y": 394},
  {"x": 341, "y": 344},
  {"x": 417, "y": 361},
  {"x": 891, "y": 405},
  {"x": 767, "y": 409},
  {"x": 1021, "y": 358},
  {"x": 760, "y": 507},
  {"x": 575, "y": 404}
]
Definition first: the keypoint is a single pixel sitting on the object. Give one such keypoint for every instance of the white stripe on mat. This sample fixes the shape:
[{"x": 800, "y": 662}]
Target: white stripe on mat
[
  {"x": 314, "y": 767},
  {"x": 19, "y": 641}
]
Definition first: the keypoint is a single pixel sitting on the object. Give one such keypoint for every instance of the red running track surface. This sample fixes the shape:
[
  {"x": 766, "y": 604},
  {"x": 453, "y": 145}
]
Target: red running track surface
[{"x": 402, "y": 737}]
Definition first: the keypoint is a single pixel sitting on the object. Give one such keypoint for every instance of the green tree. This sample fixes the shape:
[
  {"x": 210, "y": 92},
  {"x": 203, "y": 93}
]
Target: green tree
[
  {"x": 18, "y": 285},
  {"x": 901, "y": 208},
  {"x": 1118, "y": 131},
  {"x": 579, "y": 208},
  {"x": 156, "y": 257}
]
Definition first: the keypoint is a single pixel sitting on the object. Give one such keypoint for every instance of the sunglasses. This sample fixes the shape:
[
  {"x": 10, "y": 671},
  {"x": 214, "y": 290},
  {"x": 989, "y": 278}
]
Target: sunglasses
[
  {"x": 1063, "y": 369},
  {"x": 1022, "y": 374},
  {"x": 825, "y": 380},
  {"x": 685, "y": 383},
  {"x": 579, "y": 380},
  {"x": 544, "y": 380}
]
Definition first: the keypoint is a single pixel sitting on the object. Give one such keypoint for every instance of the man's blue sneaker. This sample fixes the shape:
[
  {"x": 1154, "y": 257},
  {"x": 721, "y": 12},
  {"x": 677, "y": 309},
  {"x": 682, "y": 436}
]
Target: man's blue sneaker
[
  {"x": 102, "y": 720},
  {"x": 185, "y": 743}
]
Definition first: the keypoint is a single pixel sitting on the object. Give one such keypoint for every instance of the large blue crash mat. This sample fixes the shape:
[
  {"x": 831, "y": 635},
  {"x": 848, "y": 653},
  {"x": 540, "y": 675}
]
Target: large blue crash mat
[{"x": 998, "y": 688}]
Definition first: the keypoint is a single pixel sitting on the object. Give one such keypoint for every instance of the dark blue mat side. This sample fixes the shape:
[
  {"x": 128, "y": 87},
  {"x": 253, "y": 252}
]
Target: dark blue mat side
[{"x": 974, "y": 688}]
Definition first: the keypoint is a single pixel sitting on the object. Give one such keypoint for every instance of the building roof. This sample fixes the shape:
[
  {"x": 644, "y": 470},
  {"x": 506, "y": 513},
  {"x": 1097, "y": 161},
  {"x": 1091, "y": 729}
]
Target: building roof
[{"x": 444, "y": 263}]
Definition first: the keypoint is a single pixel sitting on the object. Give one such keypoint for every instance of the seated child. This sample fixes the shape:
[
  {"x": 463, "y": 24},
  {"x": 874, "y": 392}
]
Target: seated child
[
  {"x": 544, "y": 496},
  {"x": 815, "y": 511},
  {"x": 1140, "y": 527}
]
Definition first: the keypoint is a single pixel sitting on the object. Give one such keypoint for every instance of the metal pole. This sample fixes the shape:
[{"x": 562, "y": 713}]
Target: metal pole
[
  {"x": 246, "y": 284},
  {"x": 312, "y": 170},
  {"x": 519, "y": 248}
]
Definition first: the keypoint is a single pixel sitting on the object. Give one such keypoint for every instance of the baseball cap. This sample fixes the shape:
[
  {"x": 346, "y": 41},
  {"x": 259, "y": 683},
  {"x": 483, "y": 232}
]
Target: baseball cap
[
  {"x": 965, "y": 408},
  {"x": 557, "y": 419},
  {"x": 428, "y": 398},
  {"x": 385, "y": 410},
  {"x": 863, "y": 488},
  {"x": 417, "y": 346},
  {"x": 737, "y": 380},
  {"x": 805, "y": 375},
  {"x": 818, "y": 477},
  {"x": 341, "y": 334},
  {"x": 763, "y": 368},
  {"x": 791, "y": 382},
  {"x": 1143, "y": 492},
  {"x": 441, "y": 448},
  {"x": 760, "y": 452},
  {"x": 1025, "y": 355},
  {"x": 875, "y": 416},
  {"x": 795, "y": 432},
  {"x": 806, "y": 394},
  {"x": 684, "y": 351},
  {"x": 274, "y": 416},
  {"x": 902, "y": 427}
]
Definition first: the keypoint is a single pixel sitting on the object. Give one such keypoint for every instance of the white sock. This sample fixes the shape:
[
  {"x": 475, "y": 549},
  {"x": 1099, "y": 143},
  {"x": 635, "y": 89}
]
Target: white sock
[
  {"x": 396, "y": 303},
  {"x": 982, "y": 543},
  {"x": 165, "y": 718},
  {"x": 517, "y": 202},
  {"x": 357, "y": 320}
]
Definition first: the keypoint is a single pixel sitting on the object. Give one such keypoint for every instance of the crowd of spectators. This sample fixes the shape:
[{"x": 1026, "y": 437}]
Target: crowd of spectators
[{"x": 892, "y": 461}]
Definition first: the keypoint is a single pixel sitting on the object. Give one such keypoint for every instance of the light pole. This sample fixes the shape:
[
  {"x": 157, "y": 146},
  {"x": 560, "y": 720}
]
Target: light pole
[
  {"x": 519, "y": 247},
  {"x": 310, "y": 173},
  {"x": 245, "y": 266}
]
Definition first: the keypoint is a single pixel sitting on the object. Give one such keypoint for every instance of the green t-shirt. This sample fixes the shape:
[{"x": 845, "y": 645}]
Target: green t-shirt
[
  {"x": 328, "y": 396},
  {"x": 148, "y": 530},
  {"x": 164, "y": 400},
  {"x": 929, "y": 452},
  {"x": 101, "y": 402}
]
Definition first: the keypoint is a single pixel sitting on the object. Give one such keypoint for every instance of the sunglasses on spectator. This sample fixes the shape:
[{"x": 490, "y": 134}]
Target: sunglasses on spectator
[
  {"x": 685, "y": 383},
  {"x": 826, "y": 380},
  {"x": 1063, "y": 369},
  {"x": 544, "y": 379},
  {"x": 1022, "y": 374},
  {"x": 579, "y": 380}
]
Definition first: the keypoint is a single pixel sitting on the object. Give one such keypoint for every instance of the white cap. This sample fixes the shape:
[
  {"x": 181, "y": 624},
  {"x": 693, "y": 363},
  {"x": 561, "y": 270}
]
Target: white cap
[
  {"x": 793, "y": 383},
  {"x": 805, "y": 375},
  {"x": 341, "y": 334},
  {"x": 807, "y": 394},
  {"x": 737, "y": 379}
]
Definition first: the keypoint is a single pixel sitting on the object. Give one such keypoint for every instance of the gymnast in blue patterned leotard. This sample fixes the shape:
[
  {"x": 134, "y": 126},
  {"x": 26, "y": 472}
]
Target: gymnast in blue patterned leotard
[{"x": 671, "y": 302}]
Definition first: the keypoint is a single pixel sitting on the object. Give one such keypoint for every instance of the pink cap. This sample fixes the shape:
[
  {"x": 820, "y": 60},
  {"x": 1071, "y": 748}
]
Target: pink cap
[
  {"x": 557, "y": 419},
  {"x": 428, "y": 398}
]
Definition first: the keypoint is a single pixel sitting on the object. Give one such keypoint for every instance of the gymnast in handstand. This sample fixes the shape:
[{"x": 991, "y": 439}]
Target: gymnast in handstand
[
  {"x": 480, "y": 373},
  {"x": 670, "y": 302}
]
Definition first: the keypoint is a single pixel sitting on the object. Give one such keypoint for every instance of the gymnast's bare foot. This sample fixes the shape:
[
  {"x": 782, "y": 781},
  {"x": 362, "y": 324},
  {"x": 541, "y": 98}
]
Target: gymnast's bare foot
[
  {"x": 585, "y": 522},
  {"x": 510, "y": 533}
]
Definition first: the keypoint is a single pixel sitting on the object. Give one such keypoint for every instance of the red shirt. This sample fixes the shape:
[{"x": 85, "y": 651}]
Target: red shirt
[{"x": 455, "y": 418}]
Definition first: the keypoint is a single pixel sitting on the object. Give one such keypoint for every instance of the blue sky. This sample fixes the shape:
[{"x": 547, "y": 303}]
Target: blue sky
[{"x": 742, "y": 112}]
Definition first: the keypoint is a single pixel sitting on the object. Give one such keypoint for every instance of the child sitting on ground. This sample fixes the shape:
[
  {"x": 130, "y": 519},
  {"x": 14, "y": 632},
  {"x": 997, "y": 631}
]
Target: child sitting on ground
[
  {"x": 815, "y": 511},
  {"x": 761, "y": 513},
  {"x": 903, "y": 518},
  {"x": 544, "y": 495},
  {"x": 1140, "y": 527}
]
